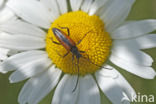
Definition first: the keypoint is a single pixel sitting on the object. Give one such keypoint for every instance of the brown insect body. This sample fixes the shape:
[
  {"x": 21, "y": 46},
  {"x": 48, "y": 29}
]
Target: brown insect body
[
  {"x": 69, "y": 45},
  {"x": 66, "y": 42}
]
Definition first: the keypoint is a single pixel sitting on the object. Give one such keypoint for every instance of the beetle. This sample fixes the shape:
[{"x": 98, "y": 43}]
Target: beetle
[
  {"x": 69, "y": 45},
  {"x": 65, "y": 40}
]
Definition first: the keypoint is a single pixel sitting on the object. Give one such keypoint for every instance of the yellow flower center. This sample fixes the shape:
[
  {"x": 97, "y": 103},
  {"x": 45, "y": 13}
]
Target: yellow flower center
[{"x": 94, "y": 46}]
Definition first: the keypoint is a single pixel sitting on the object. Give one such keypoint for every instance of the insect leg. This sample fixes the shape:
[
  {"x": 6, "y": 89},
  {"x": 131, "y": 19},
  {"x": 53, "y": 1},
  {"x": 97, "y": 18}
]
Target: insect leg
[
  {"x": 82, "y": 51},
  {"x": 54, "y": 41},
  {"x": 77, "y": 76},
  {"x": 83, "y": 38},
  {"x": 66, "y": 29},
  {"x": 65, "y": 54},
  {"x": 62, "y": 55},
  {"x": 73, "y": 61}
]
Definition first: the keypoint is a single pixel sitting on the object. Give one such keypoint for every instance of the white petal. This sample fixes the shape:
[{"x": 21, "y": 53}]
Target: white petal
[
  {"x": 52, "y": 7},
  {"x": 110, "y": 88},
  {"x": 89, "y": 92},
  {"x": 3, "y": 53},
  {"x": 134, "y": 29},
  {"x": 39, "y": 86},
  {"x": 12, "y": 52},
  {"x": 21, "y": 42},
  {"x": 64, "y": 91},
  {"x": 131, "y": 54},
  {"x": 114, "y": 13},
  {"x": 20, "y": 27},
  {"x": 127, "y": 88},
  {"x": 1, "y": 2},
  {"x": 143, "y": 42},
  {"x": 96, "y": 5},
  {"x": 75, "y": 4},
  {"x": 63, "y": 6},
  {"x": 32, "y": 11},
  {"x": 6, "y": 14},
  {"x": 86, "y": 5},
  {"x": 24, "y": 93},
  {"x": 17, "y": 60},
  {"x": 142, "y": 71},
  {"x": 107, "y": 71},
  {"x": 30, "y": 69},
  {"x": 120, "y": 80},
  {"x": 147, "y": 41}
]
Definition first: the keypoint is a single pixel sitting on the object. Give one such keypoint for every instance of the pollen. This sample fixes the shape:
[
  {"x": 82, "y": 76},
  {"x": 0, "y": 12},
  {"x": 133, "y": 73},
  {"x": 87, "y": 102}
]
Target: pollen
[{"x": 91, "y": 39}]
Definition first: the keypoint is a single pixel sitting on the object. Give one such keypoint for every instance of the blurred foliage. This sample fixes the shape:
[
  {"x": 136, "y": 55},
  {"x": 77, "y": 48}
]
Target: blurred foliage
[{"x": 142, "y": 9}]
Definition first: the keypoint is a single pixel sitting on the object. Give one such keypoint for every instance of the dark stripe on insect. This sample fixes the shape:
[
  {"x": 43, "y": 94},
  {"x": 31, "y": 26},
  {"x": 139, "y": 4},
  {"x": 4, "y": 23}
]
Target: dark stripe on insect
[{"x": 62, "y": 37}]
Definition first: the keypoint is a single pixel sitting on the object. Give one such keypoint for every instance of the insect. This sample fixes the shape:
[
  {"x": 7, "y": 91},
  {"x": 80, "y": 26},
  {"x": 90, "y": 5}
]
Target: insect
[{"x": 71, "y": 46}]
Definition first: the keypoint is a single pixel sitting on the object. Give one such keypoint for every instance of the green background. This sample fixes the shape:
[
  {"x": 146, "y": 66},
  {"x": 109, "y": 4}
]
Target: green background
[{"x": 142, "y": 9}]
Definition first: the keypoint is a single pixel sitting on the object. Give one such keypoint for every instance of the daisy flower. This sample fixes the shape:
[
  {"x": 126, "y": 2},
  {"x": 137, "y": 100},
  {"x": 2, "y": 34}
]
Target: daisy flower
[
  {"x": 101, "y": 34},
  {"x": 6, "y": 14}
]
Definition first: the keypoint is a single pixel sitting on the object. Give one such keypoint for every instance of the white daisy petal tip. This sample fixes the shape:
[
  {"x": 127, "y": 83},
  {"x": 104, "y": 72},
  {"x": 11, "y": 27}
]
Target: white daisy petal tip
[
  {"x": 144, "y": 42},
  {"x": 11, "y": 80},
  {"x": 37, "y": 87},
  {"x": 150, "y": 74},
  {"x": 30, "y": 69},
  {"x": 134, "y": 29},
  {"x": 154, "y": 75},
  {"x": 146, "y": 72},
  {"x": 129, "y": 52},
  {"x": 2, "y": 71}
]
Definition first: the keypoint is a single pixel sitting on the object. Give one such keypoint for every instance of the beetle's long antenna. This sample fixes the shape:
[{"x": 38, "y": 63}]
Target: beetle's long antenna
[
  {"x": 83, "y": 37},
  {"x": 94, "y": 63},
  {"x": 77, "y": 76}
]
